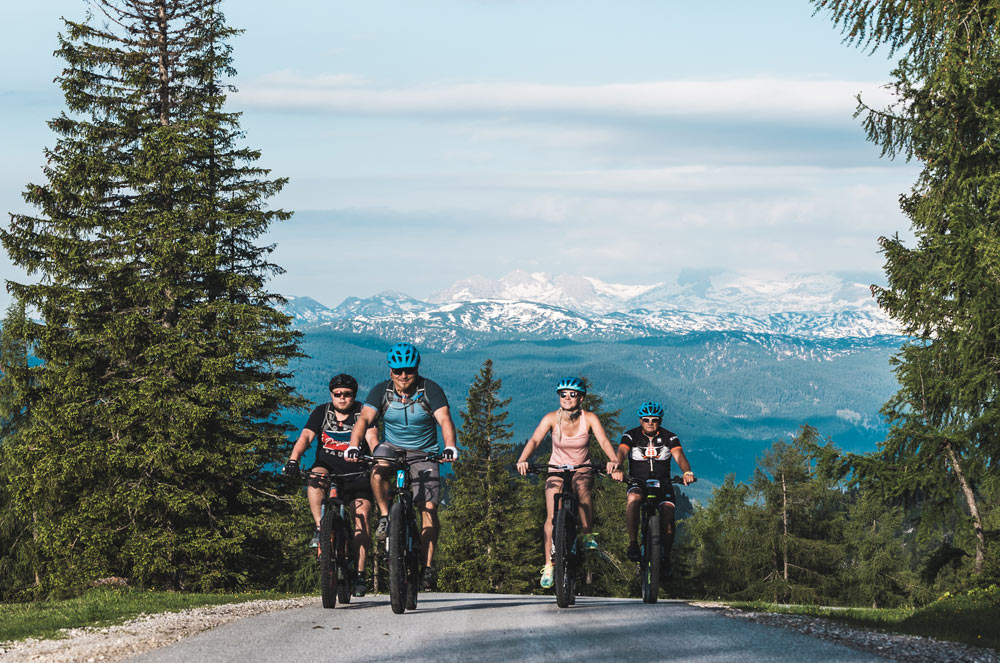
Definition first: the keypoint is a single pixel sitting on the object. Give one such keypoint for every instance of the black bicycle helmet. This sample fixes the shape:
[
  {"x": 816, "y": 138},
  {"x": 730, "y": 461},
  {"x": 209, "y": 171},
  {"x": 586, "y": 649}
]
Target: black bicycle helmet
[{"x": 344, "y": 380}]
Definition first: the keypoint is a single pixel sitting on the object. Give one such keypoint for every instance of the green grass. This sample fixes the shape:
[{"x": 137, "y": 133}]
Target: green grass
[
  {"x": 969, "y": 617},
  {"x": 103, "y": 607}
]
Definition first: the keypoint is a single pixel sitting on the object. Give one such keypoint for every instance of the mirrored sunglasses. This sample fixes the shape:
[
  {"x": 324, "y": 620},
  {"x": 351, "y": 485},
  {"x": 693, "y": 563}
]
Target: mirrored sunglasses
[
  {"x": 650, "y": 420},
  {"x": 569, "y": 394}
]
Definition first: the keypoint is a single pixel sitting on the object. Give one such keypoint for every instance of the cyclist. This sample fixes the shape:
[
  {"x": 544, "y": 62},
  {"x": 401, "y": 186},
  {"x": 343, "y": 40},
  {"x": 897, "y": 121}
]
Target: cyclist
[
  {"x": 333, "y": 422},
  {"x": 649, "y": 448},
  {"x": 571, "y": 427},
  {"x": 412, "y": 407}
]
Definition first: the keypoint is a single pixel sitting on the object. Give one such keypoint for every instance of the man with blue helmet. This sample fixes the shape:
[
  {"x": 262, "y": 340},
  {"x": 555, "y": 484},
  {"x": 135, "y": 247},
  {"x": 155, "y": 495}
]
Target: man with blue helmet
[
  {"x": 649, "y": 448},
  {"x": 412, "y": 407}
]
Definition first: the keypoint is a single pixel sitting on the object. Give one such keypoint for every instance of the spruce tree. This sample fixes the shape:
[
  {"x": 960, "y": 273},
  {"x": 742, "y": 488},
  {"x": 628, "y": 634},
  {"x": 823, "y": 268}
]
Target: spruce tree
[
  {"x": 942, "y": 289},
  {"x": 163, "y": 357},
  {"x": 487, "y": 535},
  {"x": 802, "y": 523}
]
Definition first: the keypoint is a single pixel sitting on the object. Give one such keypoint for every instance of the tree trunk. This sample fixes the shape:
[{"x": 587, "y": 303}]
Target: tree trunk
[{"x": 970, "y": 501}]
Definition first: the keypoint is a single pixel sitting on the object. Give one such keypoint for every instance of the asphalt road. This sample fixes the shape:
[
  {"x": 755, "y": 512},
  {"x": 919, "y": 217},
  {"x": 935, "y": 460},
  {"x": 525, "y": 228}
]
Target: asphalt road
[{"x": 481, "y": 627}]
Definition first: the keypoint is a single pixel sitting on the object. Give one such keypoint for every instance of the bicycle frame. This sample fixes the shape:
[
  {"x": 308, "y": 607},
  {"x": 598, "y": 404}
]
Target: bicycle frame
[
  {"x": 338, "y": 565},
  {"x": 403, "y": 544},
  {"x": 650, "y": 535},
  {"x": 565, "y": 549}
]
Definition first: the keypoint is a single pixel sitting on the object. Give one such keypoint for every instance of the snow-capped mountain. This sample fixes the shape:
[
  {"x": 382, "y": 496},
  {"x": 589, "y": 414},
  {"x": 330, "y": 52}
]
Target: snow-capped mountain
[
  {"x": 812, "y": 307},
  {"x": 705, "y": 291}
]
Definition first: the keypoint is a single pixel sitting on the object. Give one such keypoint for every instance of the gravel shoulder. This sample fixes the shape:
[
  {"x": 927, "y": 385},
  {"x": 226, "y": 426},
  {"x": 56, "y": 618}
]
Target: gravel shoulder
[
  {"x": 149, "y": 632},
  {"x": 895, "y": 647},
  {"x": 142, "y": 634}
]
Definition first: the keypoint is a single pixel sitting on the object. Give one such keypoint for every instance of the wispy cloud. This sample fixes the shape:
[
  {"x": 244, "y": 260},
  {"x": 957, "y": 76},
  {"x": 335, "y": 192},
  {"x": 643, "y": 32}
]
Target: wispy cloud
[{"x": 750, "y": 98}]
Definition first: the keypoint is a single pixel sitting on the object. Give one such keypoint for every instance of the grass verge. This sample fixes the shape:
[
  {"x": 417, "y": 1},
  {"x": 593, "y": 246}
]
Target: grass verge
[
  {"x": 969, "y": 617},
  {"x": 103, "y": 607}
]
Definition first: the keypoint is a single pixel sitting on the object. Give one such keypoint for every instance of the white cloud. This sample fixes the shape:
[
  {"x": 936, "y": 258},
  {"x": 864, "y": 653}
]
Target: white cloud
[{"x": 751, "y": 98}]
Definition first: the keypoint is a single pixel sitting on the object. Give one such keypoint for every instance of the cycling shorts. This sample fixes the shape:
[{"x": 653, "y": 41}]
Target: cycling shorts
[
  {"x": 358, "y": 488},
  {"x": 665, "y": 491},
  {"x": 425, "y": 478}
]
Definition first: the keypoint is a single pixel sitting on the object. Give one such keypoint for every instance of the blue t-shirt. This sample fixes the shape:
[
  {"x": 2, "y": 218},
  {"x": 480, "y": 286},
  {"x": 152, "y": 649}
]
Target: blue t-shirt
[{"x": 409, "y": 421}]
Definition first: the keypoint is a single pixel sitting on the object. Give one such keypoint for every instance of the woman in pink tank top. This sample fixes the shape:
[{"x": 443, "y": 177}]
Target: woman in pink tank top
[{"x": 571, "y": 427}]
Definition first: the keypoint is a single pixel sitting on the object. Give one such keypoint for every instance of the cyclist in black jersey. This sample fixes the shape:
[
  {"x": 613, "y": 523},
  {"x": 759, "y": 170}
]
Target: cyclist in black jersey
[
  {"x": 333, "y": 422},
  {"x": 649, "y": 448}
]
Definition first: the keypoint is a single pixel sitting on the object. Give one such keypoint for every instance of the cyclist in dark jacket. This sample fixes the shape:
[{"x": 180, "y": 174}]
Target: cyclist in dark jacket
[{"x": 649, "y": 448}]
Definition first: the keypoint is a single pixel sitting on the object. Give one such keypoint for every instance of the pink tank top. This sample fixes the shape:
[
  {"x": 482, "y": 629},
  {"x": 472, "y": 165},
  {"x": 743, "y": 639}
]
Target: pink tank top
[{"x": 570, "y": 449}]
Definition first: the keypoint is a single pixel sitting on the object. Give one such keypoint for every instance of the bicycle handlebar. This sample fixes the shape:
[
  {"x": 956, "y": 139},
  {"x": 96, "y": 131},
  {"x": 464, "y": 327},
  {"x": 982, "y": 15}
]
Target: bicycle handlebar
[{"x": 539, "y": 468}]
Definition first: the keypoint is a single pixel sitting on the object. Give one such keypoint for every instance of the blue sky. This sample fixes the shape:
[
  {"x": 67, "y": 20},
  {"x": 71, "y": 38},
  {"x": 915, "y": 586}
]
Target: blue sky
[{"x": 427, "y": 141}]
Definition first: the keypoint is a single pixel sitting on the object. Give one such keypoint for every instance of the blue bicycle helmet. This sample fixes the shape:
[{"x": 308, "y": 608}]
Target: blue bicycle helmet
[
  {"x": 573, "y": 384},
  {"x": 651, "y": 409},
  {"x": 403, "y": 355}
]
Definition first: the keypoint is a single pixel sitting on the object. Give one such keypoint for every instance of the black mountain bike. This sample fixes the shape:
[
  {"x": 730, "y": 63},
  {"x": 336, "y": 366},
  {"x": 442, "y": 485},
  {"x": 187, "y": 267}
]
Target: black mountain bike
[
  {"x": 651, "y": 535},
  {"x": 337, "y": 565},
  {"x": 402, "y": 546},
  {"x": 566, "y": 552}
]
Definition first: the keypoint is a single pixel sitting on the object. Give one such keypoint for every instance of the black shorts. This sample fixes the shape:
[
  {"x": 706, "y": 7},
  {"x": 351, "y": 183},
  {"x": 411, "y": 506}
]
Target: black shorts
[
  {"x": 665, "y": 490},
  {"x": 358, "y": 488}
]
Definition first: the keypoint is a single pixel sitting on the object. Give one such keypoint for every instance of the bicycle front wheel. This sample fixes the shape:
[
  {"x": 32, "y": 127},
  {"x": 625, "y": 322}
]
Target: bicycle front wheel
[
  {"x": 413, "y": 558},
  {"x": 328, "y": 527},
  {"x": 398, "y": 570},
  {"x": 650, "y": 566},
  {"x": 564, "y": 541},
  {"x": 345, "y": 563}
]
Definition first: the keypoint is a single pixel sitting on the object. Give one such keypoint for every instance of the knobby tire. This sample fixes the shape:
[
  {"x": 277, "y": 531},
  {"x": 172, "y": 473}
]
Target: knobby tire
[
  {"x": 398, "y": 568},
  {"x": 345, "y": 562},
  {"x": 563, "y": 538},
  {"x": 651, "y": 554},
  {"x": 413, "y": 559},
  {"x": 328, "y": 558}
]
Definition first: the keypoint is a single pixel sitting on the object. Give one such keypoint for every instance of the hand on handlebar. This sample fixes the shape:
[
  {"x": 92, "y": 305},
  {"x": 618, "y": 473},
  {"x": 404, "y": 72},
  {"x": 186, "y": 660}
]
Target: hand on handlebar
[
  {"x": 352, "y": 454},
  {"x": 688, "y": 477},
  {"x": 613, "y": 468},
  {"x": 522, "y": 467},
  {"x": 291, "y": 468},
  {"x": 450, "y": 454}
]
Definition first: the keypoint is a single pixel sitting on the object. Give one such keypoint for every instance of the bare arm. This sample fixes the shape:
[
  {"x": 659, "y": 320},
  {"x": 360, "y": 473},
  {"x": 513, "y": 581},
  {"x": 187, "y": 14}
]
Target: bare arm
[
  {"x": 306, "y": 438},
  {"x": 371, "y": 437},
  {"x": 544, "y": 426},
  {"x": 682, "y": 462},
  {"x": 360, "y": 430},
  {"x": 597, "y": 430},
  {"x": 443, "y": 416}
]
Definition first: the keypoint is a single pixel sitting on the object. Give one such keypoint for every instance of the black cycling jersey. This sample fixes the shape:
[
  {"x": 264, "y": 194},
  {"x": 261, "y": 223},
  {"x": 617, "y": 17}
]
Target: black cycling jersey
[
  {"x": 649, "y": 457},
  {"x": 333, "y": 436}
]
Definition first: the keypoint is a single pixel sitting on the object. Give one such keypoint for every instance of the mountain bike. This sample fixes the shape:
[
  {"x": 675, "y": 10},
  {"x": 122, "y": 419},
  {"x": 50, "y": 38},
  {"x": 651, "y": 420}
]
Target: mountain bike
[
  {"x": 651, "y": 535},
  {"x": 566, "y": 557},
  {"x": 402, "y": 545},
  {"x": 337, "y": 564}
]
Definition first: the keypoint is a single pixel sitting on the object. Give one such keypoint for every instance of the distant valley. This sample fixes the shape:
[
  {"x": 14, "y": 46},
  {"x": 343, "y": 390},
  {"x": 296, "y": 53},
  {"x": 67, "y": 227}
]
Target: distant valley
[{"x": 744, "y": 364}]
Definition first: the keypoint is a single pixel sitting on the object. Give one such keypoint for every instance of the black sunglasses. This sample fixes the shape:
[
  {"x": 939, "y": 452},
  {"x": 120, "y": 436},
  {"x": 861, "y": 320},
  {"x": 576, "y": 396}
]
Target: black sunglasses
[
  {"x": 401, "y": 371},
  {"x": 341, "y": 394},
  {"x": 650, "y": 420}
]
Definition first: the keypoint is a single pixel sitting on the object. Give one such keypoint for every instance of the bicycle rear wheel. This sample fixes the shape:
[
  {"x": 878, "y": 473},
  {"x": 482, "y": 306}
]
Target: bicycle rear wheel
[
  {"x": 649, "y": 568},
  {"x": 563, "y": 540},
  {"x": 328, "y": 527},
  {"x": 398, "y": 570}
]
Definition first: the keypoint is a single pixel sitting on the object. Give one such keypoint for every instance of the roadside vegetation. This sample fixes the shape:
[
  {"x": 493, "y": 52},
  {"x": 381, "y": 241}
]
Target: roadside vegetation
[
  {"x": 105, "y": 607},
  {"x": 968, "y": 617}
]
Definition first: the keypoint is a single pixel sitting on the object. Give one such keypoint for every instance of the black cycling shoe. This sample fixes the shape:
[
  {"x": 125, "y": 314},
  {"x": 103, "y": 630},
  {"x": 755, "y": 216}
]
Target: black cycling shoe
[
  {"x": 633, "y": 553},
  {"x": 430, "y": 582},
  {"x": 360, "y": 588}
]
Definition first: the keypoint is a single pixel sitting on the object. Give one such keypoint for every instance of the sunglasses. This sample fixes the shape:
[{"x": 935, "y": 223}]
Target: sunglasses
[
  {"x": 403, "y": 371},
  {"x": 650, "y": 420},
  {"x": 569, "y": 394},
  {"x": 342, "y": 394}
]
